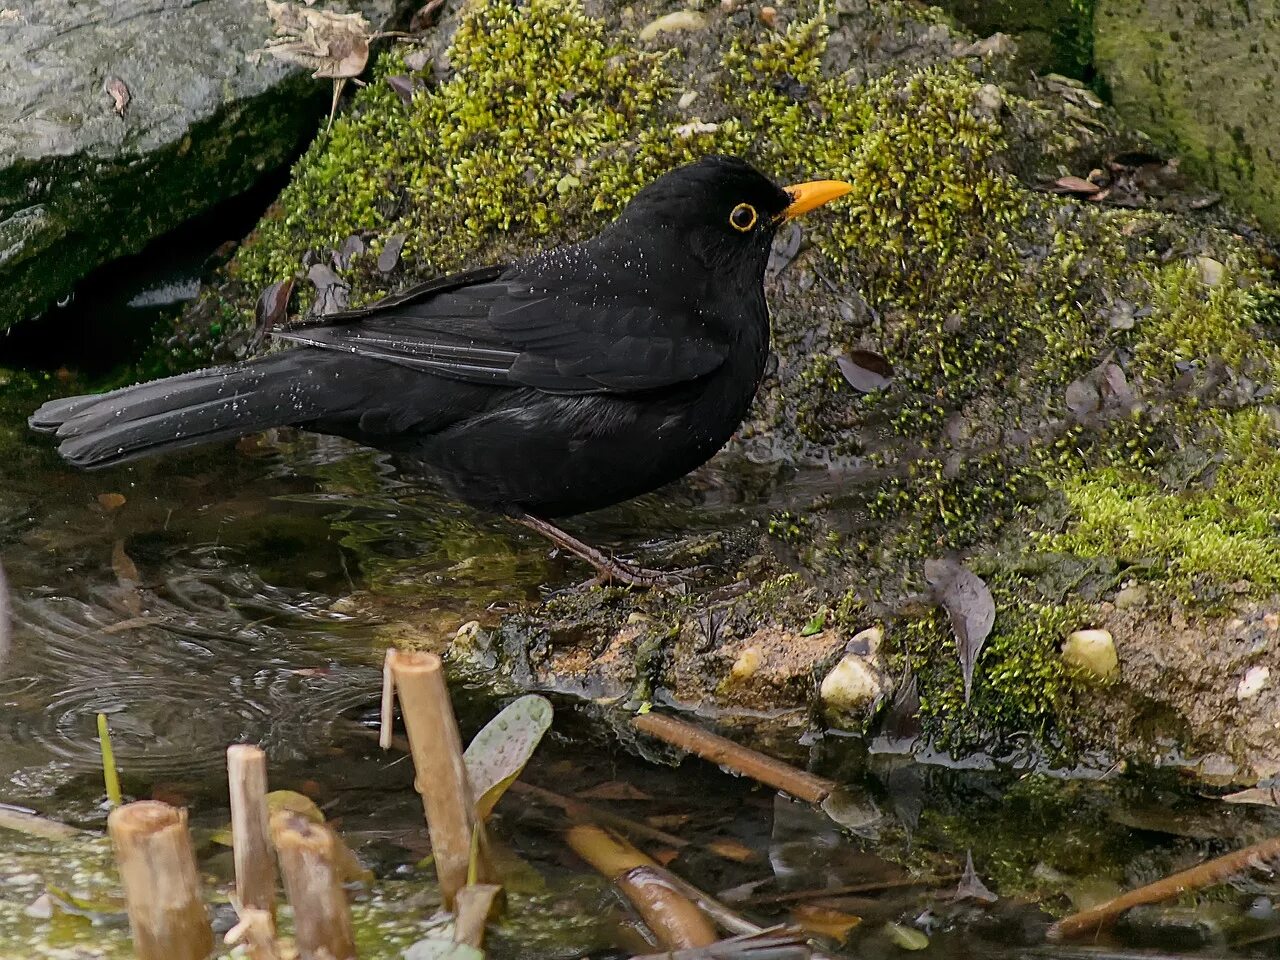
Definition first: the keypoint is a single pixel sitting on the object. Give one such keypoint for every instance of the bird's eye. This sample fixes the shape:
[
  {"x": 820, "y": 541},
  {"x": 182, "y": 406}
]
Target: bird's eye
[{"x": 743, "y": 217}]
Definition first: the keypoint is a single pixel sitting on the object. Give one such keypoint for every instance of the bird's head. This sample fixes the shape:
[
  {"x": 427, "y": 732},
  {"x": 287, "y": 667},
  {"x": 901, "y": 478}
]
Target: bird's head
[{"x": 722, "y": 212}]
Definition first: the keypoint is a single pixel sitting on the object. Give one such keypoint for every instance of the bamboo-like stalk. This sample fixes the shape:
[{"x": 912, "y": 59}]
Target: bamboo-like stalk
[
  {"x": 818, "y": 893},
  {"x": 257, "y": 931},
  {"x": 110, "y": 775},
  {"x": 474, "y": 906},
  {"x": 743, "y": 760},
  {"x": 250, "y": 828},
  {"x": 674, "y": 919},
  {"x": 321, "y": 917},
  {"x": 1197, "y": 877},
  {"x": 34, "y": 825},
  {"x": 440, "y": 772},
  {"x": 162, "y": 889}
]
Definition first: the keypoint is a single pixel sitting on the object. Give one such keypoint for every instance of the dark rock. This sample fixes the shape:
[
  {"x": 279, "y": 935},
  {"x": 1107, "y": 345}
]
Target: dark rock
[{"x": 119, "y": 120}]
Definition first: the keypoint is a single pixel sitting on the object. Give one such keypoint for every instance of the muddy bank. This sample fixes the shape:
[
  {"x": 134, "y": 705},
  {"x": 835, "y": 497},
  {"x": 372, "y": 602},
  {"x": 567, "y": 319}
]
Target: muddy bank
[{"x": 1078, "y": 390}]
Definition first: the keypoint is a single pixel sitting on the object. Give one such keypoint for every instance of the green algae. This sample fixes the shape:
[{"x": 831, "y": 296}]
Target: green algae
[{"x": 989, "y": 300}]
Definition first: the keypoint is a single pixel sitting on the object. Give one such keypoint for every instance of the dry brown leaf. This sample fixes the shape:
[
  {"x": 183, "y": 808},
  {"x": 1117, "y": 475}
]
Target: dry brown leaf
[
  {"x": 824, "y": 921},
  {"x": 120, "y": 95},
  {"x": 332, "y": 45},
  {"x": 1264, "y": 796},
  {"x": 1075, "y": 185},
  {"x": 731, "y": 849},
  {"x": 111, "y": 501}
]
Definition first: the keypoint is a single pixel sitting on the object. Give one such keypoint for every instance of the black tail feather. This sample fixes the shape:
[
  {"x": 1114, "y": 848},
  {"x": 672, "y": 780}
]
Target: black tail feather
[{"x": 187, "y": 410}]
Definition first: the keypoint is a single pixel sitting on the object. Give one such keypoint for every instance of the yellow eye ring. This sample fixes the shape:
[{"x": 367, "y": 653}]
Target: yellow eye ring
[{"x": 743, "y": 217}]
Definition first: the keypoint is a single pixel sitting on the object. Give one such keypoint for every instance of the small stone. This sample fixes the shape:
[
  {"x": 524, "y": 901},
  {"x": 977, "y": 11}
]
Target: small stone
[
  {"x": 1253, "y": 683},
  {"x": 769, "y": 17},
  {"x": 677, "y": 22},
  {"x": 747, "y": 664},
  {"x": 687, "y": 98},
  {"x": 1211, "y": 271},
  {"x": 728, "y": 6},
  {"x": 41, "y": 908},
  {"x": 468, "y": 631},
  {"x": 1129, "y": 597},
  {"x": 998, "y": 44},
  {"x": 988, "y": 101},
  {"x": 694, "y": 127},
  {"x": 1093, "y": 651},
  {"x": 852, "y": 687},
  {"x": 866, "y": 642},
  {"x": 1272, "y": 621}
]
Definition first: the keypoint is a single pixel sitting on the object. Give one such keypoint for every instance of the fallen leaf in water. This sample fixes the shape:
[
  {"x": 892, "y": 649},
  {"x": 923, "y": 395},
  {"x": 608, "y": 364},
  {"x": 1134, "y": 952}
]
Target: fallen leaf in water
[
  {"x": 614, "y": 790},
  {"x": 273, "y": 305},
  {"x": 969, "y": 606},
  {"x": 390, "y": 255},
  {"x": 865, "y": 371},
  {"x": 332, "y": 45},
  {"x": 499, "y": 751},
  {"x": 1263, "y": 796},
  {"x": 902, "y": 718},
  {"x": 111, "y": 501},
  {"x": 665, "y": 855},
  {"x": 731, "y": 849},
  {"x": 907, "y": 938},
  {"x": 121, "y": 564},
  {"x": 120, "y": 95},
  {"x": 824, "y": 921},
  {"x": 971, "y": 886}
]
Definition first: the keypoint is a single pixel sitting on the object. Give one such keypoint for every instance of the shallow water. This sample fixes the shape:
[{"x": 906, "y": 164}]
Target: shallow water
[{"x": 208, "y": 608}]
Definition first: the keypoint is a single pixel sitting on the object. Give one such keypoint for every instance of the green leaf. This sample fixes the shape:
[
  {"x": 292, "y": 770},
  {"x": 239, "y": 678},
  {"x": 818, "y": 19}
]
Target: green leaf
[
  {"x": 815, "y": 624},
  {"x": 906, "y": 938},
  {"x": 499, "y": 751},
  {"x": 109, "y": 774}
]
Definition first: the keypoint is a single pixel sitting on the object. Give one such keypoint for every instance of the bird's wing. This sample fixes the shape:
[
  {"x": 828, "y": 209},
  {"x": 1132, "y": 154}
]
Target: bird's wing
[{"x": 528, "y": 331}]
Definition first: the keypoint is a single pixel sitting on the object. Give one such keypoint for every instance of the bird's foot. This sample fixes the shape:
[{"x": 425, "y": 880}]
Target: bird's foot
[
  {"x": 609, "y": 570},
  {"x": 615, "y": 572}
]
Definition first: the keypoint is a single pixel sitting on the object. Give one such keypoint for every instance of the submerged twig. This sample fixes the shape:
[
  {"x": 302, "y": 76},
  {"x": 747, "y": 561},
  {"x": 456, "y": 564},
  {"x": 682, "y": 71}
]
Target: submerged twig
[
  {"x": 775, "y": 943},
  {"x": 877, "y": 886},
  {"x": 743, "y": 760},
  {"x": 1197, "y": 877},
  {"x": 579, "y": 810},
  {"x": 162, "y": 889},
  {"x": 674, "y": 919},
  {"x": 34, "y": 825}
]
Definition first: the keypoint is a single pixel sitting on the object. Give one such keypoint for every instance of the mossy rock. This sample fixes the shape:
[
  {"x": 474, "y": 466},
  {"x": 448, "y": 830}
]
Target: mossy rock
[{"x": 1082, "y": 396}]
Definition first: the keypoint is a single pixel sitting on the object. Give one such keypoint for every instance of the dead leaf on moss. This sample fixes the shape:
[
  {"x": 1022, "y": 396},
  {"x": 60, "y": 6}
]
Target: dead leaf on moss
[
  {"x": 969, "y": 606},
  {"x": 865, "y": 371},
  {"x": 332, "y": 45}
]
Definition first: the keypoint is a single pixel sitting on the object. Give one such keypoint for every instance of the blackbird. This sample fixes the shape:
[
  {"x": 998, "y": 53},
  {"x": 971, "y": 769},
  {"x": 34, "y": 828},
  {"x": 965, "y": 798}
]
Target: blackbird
[{"x": 571, "y": 380}]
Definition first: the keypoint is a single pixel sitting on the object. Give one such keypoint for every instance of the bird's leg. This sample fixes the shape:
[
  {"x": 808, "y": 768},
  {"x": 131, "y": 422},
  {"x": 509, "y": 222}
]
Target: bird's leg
[{"x": 609, "y": 569}]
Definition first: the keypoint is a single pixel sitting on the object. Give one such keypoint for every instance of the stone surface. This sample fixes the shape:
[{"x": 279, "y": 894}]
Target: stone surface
[
  {"x": 83, "y": 181},
  {"x": 1093, "y": 651},
  {"x": 1202, "y": 80}
]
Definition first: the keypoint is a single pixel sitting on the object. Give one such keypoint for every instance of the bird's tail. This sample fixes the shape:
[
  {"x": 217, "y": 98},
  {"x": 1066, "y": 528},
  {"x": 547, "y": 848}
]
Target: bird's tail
[{"x": 187, "y": 410}]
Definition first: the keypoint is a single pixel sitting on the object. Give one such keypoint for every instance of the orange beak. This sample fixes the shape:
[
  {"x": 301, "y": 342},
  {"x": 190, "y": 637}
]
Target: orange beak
[{"x": 811, "y": 195}]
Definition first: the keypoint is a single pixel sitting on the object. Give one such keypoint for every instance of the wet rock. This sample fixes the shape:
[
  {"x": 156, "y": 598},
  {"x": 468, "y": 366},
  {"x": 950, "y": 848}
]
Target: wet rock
[
  {"x": 92, "y": 168},
  {"x": 1135, "y": 596},
  {"x": 852, "y": 689},
  {"x": 1211, "y": 270},
  {"x": 1093, "y": 651},
  {"x": 1169, "y": 66}
]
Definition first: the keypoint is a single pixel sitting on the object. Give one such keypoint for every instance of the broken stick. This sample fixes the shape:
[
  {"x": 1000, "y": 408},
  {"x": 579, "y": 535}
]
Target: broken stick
[
  {"x": 440, "y": 772},
  {"x": 674, "y": 919},
  {"x": 250, "y": 836},
  {"x": 743, "y": 760},
  {"x": 162, "y": 889},
  {"x": 308, "y": 863}
]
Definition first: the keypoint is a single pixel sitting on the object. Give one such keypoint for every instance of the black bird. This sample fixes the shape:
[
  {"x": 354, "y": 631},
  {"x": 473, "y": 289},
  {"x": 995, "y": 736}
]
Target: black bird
[{"x": 568, "y": 381}]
